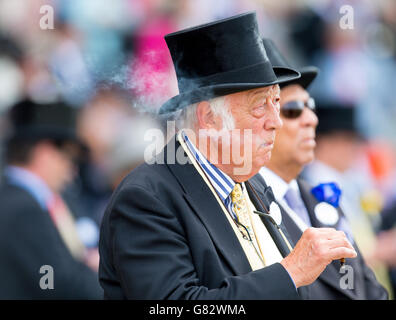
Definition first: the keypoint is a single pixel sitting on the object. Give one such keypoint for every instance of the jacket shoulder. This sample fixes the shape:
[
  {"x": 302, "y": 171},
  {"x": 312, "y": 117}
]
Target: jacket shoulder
[
  {"x": 16, "y": 202},
  {"x": 146, "y": 176}
]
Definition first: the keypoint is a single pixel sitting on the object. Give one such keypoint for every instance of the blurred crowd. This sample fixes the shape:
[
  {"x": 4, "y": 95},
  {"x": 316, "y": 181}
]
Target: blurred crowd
[{"x": 107, "y": 61}]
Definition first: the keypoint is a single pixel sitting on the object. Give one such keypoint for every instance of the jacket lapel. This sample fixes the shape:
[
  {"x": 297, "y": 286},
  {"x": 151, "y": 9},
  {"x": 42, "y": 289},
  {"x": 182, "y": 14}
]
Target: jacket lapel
[
  {"x": 292, "y": 228},
  {"x": 331, "y": 274},
  {"x": 310, "y": 202},
  {"x": 208, "y": 210},
  {"x": 266, "y": 195}
]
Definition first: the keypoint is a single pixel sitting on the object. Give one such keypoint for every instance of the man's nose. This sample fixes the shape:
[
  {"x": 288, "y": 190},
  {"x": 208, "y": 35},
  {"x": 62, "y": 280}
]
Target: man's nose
[
  {"x": 273, "y": 121},
  {"x": 309, "y": 118}
]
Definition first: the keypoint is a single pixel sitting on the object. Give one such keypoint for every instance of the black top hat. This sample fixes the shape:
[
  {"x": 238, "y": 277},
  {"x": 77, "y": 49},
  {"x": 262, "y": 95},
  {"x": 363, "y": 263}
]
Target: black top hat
[
  {"x": 219, "y": 58},
  {"x": 280, "y": 65},
  {"x": 335, "y": 117},
  {"x": 35, "y": 121}
]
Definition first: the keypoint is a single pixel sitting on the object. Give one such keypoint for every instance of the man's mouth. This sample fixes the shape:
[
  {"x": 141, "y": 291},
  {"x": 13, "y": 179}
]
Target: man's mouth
[
  {"x": 310, "y": 141},
  {"x": 269, "y": 144}
]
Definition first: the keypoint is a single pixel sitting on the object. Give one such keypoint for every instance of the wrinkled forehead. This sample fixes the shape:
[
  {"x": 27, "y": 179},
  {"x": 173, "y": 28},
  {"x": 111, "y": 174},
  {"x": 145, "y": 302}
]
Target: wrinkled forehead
[
  {"x": 269, "y": 91},
  {"x": 254, "y": 94}
]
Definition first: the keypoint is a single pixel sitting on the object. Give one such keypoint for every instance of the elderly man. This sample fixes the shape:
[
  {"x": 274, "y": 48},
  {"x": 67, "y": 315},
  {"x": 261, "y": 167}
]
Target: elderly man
[
  {"x": 189, "y": 231},
  {"x": 294, "y": 148}
]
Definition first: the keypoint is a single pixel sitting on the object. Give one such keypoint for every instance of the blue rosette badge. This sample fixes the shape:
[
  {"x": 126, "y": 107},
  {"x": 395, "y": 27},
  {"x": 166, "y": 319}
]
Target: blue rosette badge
[{"x": 328, "y": 195}]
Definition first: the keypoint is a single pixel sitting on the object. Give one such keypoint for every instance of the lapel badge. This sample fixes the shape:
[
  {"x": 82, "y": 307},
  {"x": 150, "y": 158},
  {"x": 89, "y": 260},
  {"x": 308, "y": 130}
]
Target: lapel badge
[{"x": 326, "y": 214}]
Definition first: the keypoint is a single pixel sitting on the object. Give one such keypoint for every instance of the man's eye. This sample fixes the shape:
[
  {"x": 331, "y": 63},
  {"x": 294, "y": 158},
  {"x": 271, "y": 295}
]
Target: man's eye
[
  {"x": 257, "y": 111},
  {"x": 276, "y": 103}
]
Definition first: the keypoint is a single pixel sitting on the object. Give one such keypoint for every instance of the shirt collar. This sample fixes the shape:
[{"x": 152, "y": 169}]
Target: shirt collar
[
  {"x": 222, "y": 183},
  {"x": 31, "y": 183},
  {"x": 278, "y": 185}
]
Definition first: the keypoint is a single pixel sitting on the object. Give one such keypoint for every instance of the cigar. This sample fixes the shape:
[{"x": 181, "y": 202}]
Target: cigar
[{"x": 342, "y": 261}]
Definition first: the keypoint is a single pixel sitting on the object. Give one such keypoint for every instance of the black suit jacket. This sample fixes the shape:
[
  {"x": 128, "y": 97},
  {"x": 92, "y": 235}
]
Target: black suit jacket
[
  {"x": 327, "y": 286},
  {"x": 164, "y": 236},
  {"x": 29, "y": 240}
]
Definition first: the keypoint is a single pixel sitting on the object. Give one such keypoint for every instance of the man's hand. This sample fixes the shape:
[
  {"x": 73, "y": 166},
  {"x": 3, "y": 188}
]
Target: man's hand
[{"x": 316, "y": 248}]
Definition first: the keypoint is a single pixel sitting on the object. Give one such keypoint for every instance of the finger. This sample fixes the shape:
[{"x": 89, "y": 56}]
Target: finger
[
  {"x": 338, "y": 253},
  {"x": 320, "y": 232},
  {"x": 331, "y": 234},
  {"x": 339, "y": 242},
  {"x": 325, "y": 230}
]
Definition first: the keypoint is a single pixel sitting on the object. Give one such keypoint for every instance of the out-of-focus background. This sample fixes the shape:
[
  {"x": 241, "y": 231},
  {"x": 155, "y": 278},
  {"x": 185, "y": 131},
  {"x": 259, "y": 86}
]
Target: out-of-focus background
[{"x": 109, "y": 61}]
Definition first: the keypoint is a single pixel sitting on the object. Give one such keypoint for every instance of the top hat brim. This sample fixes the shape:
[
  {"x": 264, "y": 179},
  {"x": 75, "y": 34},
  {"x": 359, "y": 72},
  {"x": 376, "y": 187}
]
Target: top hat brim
[
  {"x": 308, "y": 75},
  {"x": 39, "y": 133},
  {"x": 32, "y": 122},
  {"x": 209, "y": 92}
]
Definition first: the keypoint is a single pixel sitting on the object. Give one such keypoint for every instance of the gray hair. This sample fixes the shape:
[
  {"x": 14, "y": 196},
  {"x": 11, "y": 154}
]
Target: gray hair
[{"x": 186, "y": 119}]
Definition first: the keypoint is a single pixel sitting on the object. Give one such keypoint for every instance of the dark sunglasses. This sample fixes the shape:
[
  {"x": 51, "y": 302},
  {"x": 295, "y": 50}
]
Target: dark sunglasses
[{"x": 294, "y": 109}]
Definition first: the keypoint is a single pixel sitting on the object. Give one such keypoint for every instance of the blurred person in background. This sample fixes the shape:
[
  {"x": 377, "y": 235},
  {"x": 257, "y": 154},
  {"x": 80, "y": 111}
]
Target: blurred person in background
[
  {"x": 385, "y": 247},
  {"x": 293, "y": 149},
  {"x": 11, "y": 81},
  {"x": 151, "y": 66},
  {"x": 102, "y": 120},
  {"x": 129, "y": 147},
  {"x": 11, "y": 77},
  {"x": 358, "y": 63},
  {"x": 384, "y": 253},
  {"x": 36, "y": 226},
  {"x": 338, "y": 148}
]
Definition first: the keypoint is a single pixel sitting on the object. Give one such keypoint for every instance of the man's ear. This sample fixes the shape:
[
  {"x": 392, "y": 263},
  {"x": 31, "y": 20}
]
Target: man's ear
[{"x": 206, "y": 118}]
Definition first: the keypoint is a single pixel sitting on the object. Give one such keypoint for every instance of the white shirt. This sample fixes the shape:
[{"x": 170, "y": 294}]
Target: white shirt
[{"x": 279, "y": 188}]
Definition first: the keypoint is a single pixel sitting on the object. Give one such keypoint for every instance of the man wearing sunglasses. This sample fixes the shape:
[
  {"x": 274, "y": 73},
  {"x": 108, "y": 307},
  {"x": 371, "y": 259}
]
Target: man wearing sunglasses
[{"x": 294, "y": 148}]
